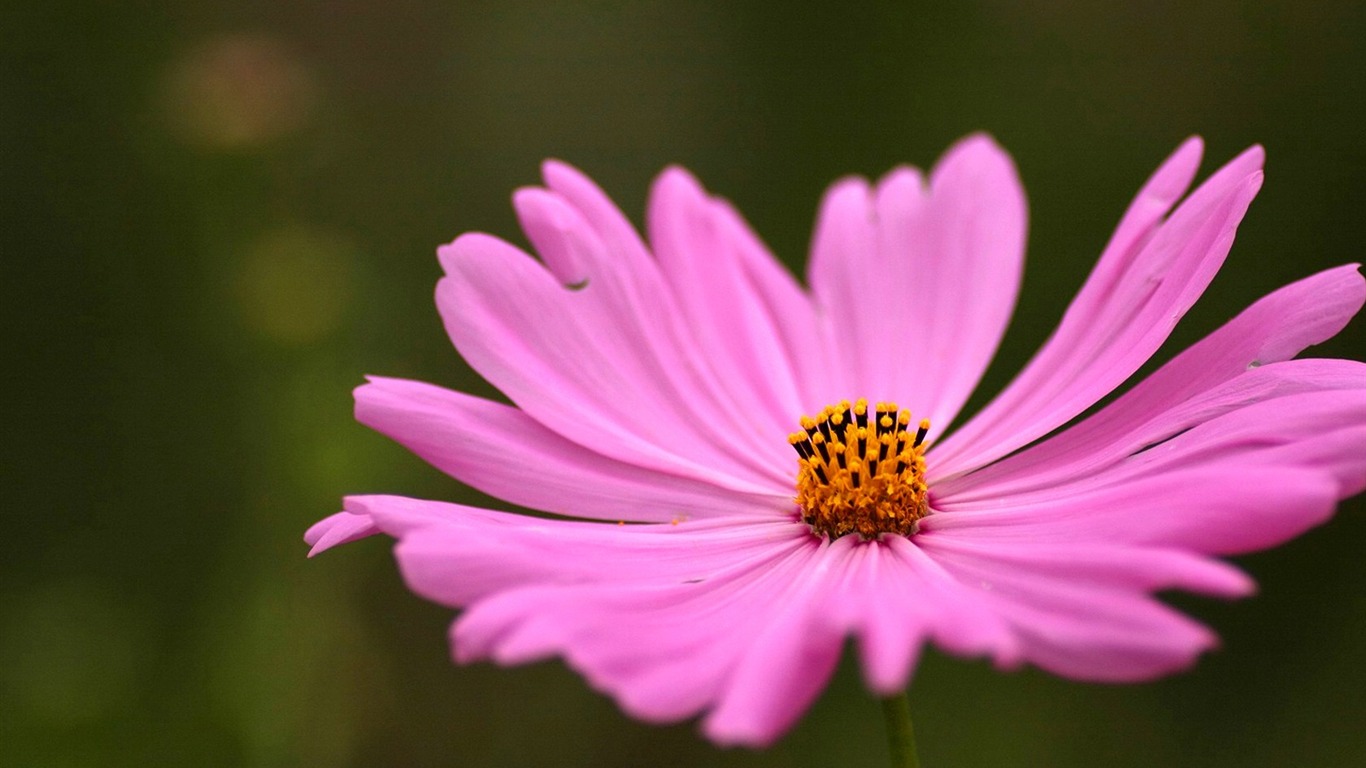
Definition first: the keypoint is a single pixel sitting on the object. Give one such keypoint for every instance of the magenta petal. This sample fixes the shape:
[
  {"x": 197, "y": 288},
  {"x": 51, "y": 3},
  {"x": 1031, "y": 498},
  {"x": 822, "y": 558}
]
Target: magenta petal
[
  {"x": 918, "y": 280},
  {"x": 1086, "y": 615},
  {"x": 1100, "y": 563},
  {"x": 617, "y": 639},
  {"x": 635, "y": 608},
  {"x": 1150, "y": 275},
  {"x": 560, "y": 236},
  {"x": 569, "y": 362},
  {"x": 904, "y": 596},
  {"x": 1103, "y": 636},
  {"x": 1314, "y": 431},
  {"x": 637, "y": 286},
  {"x": 718, "y": 271},
  {"x": 455, "y": 555},
  {"x": 341, "y": 528},
  {"x": 495, "y": 448},
  {"x": 1226, "y": 507},
  {"x": 880, "y": 599},
  {"x": 967, "y": 249},
  {"x": 844, "y": 243},
  {"x": 652, "y": 641},
  {"x": 783, "y": 667},
  {"x": 1275, "y": 392},
  {"x": 1218, "y": 374}
]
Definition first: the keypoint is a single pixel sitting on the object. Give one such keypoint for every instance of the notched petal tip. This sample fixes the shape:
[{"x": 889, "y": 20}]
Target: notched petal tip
[
  {"x": 1354, "y": 283},
  {"x": 336, "y": 529},
  {"x": 315, "y": 532},
  {"x": 574, "y": 184},
  {"x": 558, "y": 233},
  {"x": 375, "y": 388}
]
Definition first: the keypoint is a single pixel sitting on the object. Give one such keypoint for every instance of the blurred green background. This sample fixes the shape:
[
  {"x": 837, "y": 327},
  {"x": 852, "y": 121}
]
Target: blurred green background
[{"x": 218, "y": 216}]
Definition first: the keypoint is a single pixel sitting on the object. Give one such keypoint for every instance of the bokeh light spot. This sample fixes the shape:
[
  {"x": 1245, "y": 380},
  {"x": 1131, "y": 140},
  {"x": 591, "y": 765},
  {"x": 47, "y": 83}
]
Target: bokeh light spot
[
  {"x": 238, "y": 92},
  {"x": 295, "y": 284}
]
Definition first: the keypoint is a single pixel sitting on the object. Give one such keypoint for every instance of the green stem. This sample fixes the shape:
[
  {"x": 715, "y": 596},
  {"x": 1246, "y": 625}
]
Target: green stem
[{"x": 900, "y": 734}]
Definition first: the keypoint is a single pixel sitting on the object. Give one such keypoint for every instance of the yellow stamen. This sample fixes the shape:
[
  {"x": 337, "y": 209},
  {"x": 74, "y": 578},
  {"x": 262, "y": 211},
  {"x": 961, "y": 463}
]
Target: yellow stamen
[{"x": 861, "y": 475}]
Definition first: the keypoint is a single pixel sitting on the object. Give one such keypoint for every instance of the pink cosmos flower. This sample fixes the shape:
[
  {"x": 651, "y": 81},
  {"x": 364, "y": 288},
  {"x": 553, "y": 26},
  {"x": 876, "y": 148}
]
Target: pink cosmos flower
[{"x": 690, "y": 387}]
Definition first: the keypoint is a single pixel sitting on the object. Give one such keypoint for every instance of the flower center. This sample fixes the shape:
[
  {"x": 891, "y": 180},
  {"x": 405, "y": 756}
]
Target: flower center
[{"x": 859, "y": 472}]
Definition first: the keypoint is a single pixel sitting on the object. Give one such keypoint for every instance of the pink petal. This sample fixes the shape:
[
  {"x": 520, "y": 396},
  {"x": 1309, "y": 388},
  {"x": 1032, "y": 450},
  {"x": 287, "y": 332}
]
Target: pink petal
[
  {"x": 889, "y": 595},
  {"x": 505, "y": 453},
  {"x": 614, "y": 365},
  {"x": 340, "y": 528},
  {"x": 1104, "y": 636},
  {"x": 878, "y": 600},
  {"x": 918, "y": 281},
  {"x": 788, "y": 303},
  {"x": 455, "y": 555},
  {"x": 1273, "y": 329},
  {"x": 557, "y": 232},
  {"x": 652, "y": 642},
  {"x": 843, "y": 251},
  {"x": 1316, "y": 431},
  {"x": 643, "y": 295},
  {"x": 636, "y": 608},
  {"x": 1085, "y": 614},
  {"x": 1150, "y": 274},
  {"x": 907, "y": 596},
  {"x": 716, "y": 267},
  {"x": 1086, "y": 452},
  {"x": 584, "y": 365},
  {"x": 786, "y": 664},
  {"x": 1115, "y": 564},
  {"x": 1223, "y": 507}
]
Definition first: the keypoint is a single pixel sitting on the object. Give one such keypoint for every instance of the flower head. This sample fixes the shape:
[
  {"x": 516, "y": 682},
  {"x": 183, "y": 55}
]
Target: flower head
[{"x": 784, "y": 458}]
